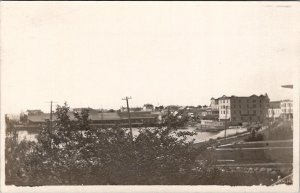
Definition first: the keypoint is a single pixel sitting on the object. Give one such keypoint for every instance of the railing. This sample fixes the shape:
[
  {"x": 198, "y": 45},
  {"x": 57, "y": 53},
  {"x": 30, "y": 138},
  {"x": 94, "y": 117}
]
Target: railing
[{"x": 286, "y": 180}]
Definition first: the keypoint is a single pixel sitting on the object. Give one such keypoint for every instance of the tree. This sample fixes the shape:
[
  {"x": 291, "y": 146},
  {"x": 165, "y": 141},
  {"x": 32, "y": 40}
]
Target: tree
[
  {"x": 70, "y": 151},
  {"x": 15, "y": 156},
  {"x": 111, "y": 111}
]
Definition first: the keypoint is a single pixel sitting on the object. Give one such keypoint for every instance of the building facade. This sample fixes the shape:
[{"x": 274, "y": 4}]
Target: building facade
[
  {"x": 148, "y": 107},
  {"x": 286, "y": 107},
  {"x": 214, "y": 104},
  {"x": 274, "y": 110},
  {"x": 243, "y": 109}
]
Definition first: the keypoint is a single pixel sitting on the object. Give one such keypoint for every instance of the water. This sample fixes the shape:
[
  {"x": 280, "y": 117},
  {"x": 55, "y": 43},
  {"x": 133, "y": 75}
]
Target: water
[{"x": 204, "y": 136}]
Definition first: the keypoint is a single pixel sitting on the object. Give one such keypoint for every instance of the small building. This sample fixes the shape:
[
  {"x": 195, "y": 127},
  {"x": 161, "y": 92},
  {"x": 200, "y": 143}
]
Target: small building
[
  {"x": 148, "y": 107},
  {"x": 34, "y": 112},
  {"x": 212, "y": 125}
]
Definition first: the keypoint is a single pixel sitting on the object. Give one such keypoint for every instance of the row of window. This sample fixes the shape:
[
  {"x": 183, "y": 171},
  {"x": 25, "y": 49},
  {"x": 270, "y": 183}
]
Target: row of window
[
  {"x": 240, "y": 100},
  {"x": 286, "y": 105},
  {"x": 240, "y": 106},
  {"x": 240, "y": 112}
]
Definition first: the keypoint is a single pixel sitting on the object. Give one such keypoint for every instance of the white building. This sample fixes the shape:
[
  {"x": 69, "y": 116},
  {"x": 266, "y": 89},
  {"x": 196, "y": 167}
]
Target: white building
[
  {"x": 274, "y": 110},
  {"x": 286, "y": 109},
  {"x": 148, "y": 107}
]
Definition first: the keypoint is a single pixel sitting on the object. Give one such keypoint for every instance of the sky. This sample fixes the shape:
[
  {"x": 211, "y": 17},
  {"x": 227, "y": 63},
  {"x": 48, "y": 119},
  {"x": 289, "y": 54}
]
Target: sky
[{"x": 92, "y": 54}]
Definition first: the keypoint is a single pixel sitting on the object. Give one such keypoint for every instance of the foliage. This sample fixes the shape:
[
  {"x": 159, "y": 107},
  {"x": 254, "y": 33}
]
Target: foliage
[
  {"x": 255, "y": 136},
  {"x": 70, "y": 151},
  {"x": 15, "y": 154},
  {"x": 279, "y": 131}
]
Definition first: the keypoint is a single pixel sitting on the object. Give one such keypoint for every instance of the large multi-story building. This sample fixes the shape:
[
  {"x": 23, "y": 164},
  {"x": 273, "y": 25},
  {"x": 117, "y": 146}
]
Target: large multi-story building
[{"x": 243, "y": 109}]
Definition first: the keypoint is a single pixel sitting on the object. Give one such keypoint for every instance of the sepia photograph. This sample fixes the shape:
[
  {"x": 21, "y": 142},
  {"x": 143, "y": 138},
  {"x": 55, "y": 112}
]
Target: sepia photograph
[{"x": 143, "y": 96}]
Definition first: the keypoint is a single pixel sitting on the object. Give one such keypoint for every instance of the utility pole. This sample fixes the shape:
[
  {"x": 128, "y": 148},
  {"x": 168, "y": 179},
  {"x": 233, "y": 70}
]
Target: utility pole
[
  {"x": 129, "y": 118},
  {"x": 225, "y": 120},
  {"x": 51, "y": 102}
]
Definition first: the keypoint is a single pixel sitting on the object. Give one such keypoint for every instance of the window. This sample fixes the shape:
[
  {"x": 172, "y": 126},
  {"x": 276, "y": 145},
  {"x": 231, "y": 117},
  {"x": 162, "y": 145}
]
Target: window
[
  {"x": 254, "y": 112},
  {"x": 254, "y": 100},
  {"x": 254, "y": 105}
]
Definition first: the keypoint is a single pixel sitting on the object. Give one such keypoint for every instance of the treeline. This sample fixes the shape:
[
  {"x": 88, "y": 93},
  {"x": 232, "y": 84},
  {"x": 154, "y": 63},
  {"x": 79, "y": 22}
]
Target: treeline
[{"x": 69, "y": 152}]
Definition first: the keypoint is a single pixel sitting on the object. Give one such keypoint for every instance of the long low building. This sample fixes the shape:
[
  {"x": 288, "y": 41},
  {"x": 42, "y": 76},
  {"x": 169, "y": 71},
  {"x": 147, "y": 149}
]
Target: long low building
[
  {"x": 102, "y": 118},
  {"x": 33, "y": 122}
]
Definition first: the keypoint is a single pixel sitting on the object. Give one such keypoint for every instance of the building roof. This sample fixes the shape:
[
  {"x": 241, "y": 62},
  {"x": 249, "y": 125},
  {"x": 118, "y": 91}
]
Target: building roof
[
  {"x": 148, "y": 105},
  {"x": 95, "y": 116},
  {"x": 137, "y": 115},
  {"x": 287, "y": 100},
  {"x": 274, "y": 105},
  {"x": 233, "y": 96},
  {"x": 104, "y": 116}
]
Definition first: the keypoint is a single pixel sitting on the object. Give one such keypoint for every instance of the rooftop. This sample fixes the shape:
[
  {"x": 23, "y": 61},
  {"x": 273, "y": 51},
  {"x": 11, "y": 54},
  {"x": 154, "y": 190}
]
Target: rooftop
[
  {"x": 95, "y": 116},
  {"x": 274, "y": 105}
]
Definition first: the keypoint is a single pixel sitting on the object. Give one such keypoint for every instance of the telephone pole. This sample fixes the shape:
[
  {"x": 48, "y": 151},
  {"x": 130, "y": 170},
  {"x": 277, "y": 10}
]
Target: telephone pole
[
  {"x": 51, "y": 102},
  {"x": 129, "y": 117},
  {"x": 226, "y": 120}
]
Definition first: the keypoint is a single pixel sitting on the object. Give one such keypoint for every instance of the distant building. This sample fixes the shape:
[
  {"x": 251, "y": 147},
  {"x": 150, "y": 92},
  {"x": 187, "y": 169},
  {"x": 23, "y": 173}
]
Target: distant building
[
  {"x": 131, "y": 109},
  {"x": 274, "y": 110},
  {"x": 159, "y": 108},
  {"x": 286, "y": 109},
  {"x": 243, "y": 109},
  {"x": 148, "y": 107},
  {"x": 34, "y": 112},
  {"x": 36, "y": 121},
  {"x": 214, "y": 104},
  {"x": 90, "y": 110}
]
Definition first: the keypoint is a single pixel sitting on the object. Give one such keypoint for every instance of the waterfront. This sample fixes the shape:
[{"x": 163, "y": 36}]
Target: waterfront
[{"x": 205, "y": 136}]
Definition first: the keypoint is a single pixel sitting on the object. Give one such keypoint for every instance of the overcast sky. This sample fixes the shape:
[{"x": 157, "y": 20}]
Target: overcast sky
[{"x": 91, "y": 54}]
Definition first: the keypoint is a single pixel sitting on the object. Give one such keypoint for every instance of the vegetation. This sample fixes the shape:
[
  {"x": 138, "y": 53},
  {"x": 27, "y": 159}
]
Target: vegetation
[
  {"x": 280, "y": 130},
  {"x": 70, "y": 152}
]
